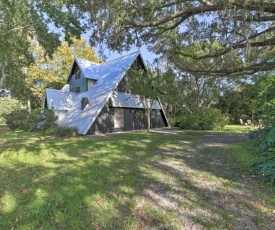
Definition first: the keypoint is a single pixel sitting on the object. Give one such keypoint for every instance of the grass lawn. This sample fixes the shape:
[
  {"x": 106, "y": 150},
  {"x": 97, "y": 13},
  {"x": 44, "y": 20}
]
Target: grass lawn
[{"x": 131, "y": 181}]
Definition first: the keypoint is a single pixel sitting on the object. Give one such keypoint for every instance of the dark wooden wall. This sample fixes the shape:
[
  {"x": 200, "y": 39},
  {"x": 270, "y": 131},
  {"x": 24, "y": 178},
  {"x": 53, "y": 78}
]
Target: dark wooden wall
[{"x": 134, "y": 119}]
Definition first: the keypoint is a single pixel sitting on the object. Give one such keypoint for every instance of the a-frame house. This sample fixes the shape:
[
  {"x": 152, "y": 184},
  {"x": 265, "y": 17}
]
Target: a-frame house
[{"x": 95, "y": 99}]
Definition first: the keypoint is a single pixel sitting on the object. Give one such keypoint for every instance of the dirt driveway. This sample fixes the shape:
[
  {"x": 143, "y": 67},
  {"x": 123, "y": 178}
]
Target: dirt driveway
[{"x": 212, "y": 191}]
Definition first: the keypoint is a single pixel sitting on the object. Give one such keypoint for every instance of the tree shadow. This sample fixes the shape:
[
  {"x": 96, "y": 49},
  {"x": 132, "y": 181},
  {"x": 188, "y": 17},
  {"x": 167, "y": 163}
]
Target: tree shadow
[{"x": 126, "y": 181}]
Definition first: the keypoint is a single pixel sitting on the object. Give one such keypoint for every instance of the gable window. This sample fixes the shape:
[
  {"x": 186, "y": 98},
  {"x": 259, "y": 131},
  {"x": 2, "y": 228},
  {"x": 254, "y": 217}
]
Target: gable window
[
  {"x": 77, "y": 89},
  {"x": 119, "y": 118},
  {"x": 77, "y": 74}
]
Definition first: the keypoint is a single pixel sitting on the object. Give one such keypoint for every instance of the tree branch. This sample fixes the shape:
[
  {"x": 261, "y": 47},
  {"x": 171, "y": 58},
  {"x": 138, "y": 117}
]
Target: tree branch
[
  {"x": 14, "y": 29},
  {"x": 247, "y": 69},
  {"x": 184, "y": 13},
  {"x": 208, "y": 7},
  {"x": 240, "y": 44}
]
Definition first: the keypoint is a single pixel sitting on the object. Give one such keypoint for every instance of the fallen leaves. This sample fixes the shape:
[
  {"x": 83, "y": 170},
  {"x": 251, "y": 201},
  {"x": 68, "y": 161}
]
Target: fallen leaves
[
  {"x": 25, "y": 191},
  {"x": 100, "y": 201},
  {"x": 139, "y": 211}
]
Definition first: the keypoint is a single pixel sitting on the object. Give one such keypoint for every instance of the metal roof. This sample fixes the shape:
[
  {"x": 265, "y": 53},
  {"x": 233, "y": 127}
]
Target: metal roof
[
  {"x": 126, "y": 100},
  {"x": 60, "y": 100},
  {"x": 109, "y": 76},
  {"x": 89, "y": 69},
  {"x": 66, "y": 88}
]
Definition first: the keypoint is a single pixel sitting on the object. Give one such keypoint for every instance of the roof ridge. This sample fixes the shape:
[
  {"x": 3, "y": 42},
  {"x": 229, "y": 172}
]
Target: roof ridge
[
  {"x": 86, "y": 60},
  {"x": 129, "y": 54}
]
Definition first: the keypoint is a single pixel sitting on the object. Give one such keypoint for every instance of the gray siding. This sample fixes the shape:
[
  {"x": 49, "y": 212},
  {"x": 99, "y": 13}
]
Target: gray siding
[
  {"x": 81, "y": 82},
  {"x": 134, "y": 119},
  {"x": 104, "y": 123},
  {"x": 137, "y": 64},
  {"x": 157, "y": 119}
]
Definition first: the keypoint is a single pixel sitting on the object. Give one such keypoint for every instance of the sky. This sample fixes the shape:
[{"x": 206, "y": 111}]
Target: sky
[{"x": 147, "y": 55}]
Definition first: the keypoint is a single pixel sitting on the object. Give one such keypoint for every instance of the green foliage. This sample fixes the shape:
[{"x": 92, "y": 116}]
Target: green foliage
[
  {"x": 147, "y": 85},
  {"x": 65, "y": 131},
  {"x": 20, "y": 20},
  {"x": 7, "y": 104},
  {"x": 264, "y": 164},
  {"x": 46, "y": 72},
  {"x": 39, "y": 120},
  {"x": 17, "y": 119},
  {"x": 206, "y": 119},
  {"x": 187, "y": 31},
  {"x": 42, "y": 120}
]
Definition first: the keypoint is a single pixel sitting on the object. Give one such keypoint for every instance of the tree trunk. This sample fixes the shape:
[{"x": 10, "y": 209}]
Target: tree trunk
[
  {"x": 29, "y": 105},
  {"x": 148, "y": 120},
  {"x": 253, "y": 117}
]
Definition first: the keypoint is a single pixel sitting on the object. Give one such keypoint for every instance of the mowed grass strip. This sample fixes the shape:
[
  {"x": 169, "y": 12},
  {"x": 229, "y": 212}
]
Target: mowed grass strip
[{"x": 129, "y": 181}]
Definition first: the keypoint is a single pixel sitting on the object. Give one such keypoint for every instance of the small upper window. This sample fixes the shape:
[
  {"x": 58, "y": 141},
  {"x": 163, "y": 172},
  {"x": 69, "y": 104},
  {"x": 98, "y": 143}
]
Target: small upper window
[
  {"x": 77, "y": 89},
  {"x": 77, "y": 74}
]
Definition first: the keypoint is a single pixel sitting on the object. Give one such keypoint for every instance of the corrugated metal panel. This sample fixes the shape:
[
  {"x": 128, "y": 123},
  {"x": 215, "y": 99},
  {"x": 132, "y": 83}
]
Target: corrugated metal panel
[
  {"x": 110, "y": 75},
  {"x": 89, "y": 69},
  {"x": 127, "y": 100},
  {"x": 60, "y": 100}
]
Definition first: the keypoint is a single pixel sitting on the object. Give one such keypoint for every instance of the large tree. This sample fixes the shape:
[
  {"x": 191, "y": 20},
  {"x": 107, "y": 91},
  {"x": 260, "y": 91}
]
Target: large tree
[
  {"x": 20, "y": 19},
  {"x": 238, "y": 34}
]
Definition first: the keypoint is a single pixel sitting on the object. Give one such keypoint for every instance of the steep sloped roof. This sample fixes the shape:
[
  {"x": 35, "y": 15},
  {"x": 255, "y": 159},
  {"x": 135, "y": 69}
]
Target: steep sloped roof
[
  {"x": 126, "y": 100},
  {"x": 60, "y": 100},
  {"x": 110, "y": 74},
  {"x": 89, "y": 69}
]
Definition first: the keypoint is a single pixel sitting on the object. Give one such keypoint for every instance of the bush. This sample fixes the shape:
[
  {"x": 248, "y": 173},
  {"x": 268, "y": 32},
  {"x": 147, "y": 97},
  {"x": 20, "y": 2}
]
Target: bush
[
  {"x": 264, "y": 164},
  {"x": 17, "y": 119},
  {"x": 42, "y": 120},
  {"x": 39, "y": 120},
  {"x": 206, "y": 119},
  {"x": 65, "y": 131}
]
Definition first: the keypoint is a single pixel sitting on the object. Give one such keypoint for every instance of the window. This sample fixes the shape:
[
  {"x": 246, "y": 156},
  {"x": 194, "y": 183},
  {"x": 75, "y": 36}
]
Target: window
[
  {"x": 77, "y": 89},
  {"x": 77, "y": 74},
  {"x": 119, "y": 118}
]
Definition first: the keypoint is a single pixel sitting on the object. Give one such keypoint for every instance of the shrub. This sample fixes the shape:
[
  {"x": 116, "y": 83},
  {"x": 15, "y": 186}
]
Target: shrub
[
  {"x": 38, "y": 120},
  {"x": 206, "y": 119},
  {"x": 65, "y": 131},
  {"x": 42, "y": 120},
  {"x": 17, "y": 119},
  {"x": 264, "y": 164}
]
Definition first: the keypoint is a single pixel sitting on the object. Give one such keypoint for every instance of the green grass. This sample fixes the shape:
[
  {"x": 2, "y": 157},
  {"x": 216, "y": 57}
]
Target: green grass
[
  {"x": 238, "y": 128},
  {"x": 128, "y": 181},
  {"x": 226, "y": 129}
]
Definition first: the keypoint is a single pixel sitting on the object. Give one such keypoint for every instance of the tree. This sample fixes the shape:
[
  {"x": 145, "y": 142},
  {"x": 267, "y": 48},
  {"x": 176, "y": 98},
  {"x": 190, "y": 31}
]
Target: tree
[
  {"x": 20, "y": 19},
  {"x": 171, "y": 97},
  {"x": 48, "y": 72},
  {"x": 147, "y": 86},
  {"x": 227, "y": 29},
  {"x": 7, "y": 105}
]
